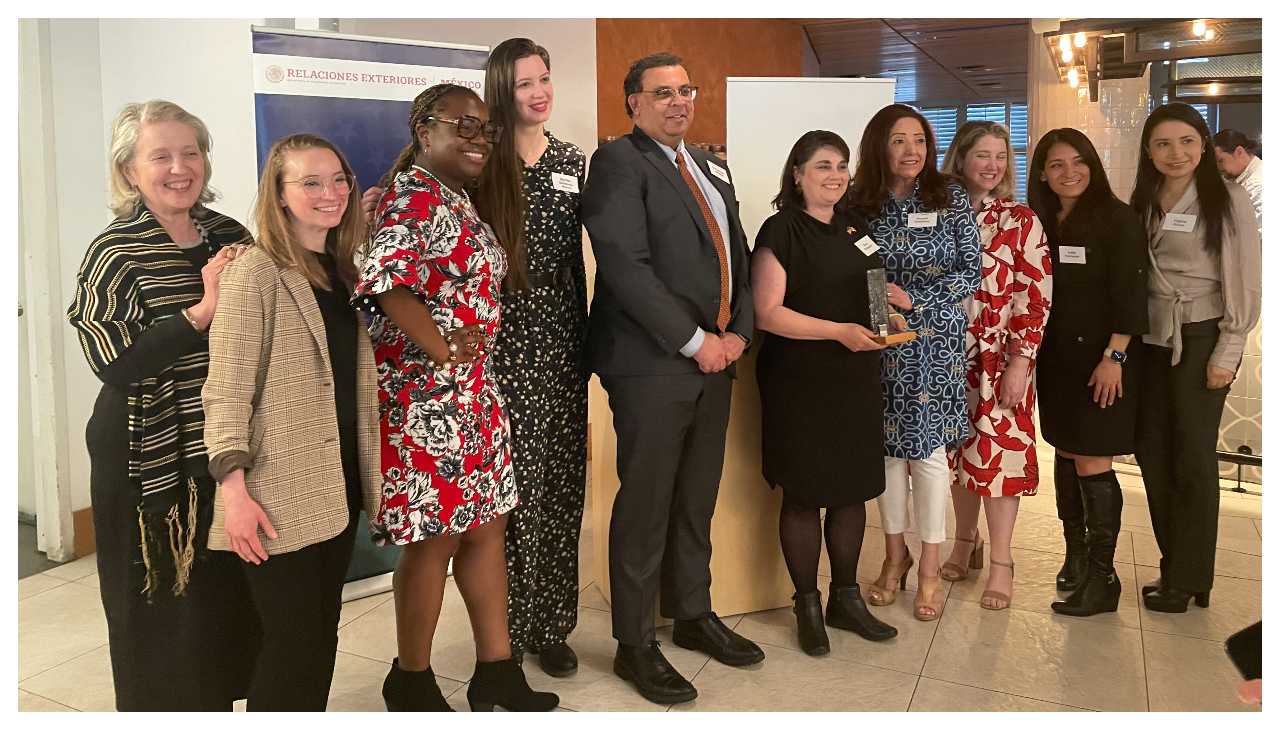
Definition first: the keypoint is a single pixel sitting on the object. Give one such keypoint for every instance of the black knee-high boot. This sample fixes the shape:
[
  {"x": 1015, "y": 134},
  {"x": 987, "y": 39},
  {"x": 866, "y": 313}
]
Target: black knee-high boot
[
  {"x": 1066, "y": 488},
  {"x": 1100, "y": 591}
]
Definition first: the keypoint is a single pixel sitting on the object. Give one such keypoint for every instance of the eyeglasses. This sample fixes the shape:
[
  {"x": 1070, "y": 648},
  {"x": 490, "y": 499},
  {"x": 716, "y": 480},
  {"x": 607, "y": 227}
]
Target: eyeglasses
[
  {"x": 666, "y": 94},
  {"x": 314, "y": 187},
  {"x": 469, "y": 127}
]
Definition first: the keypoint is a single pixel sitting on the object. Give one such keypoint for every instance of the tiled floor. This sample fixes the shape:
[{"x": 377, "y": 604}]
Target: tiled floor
[{"x": 1024, "y": 659}]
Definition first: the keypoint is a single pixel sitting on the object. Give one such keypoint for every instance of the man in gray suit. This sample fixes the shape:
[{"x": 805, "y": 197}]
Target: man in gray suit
[{"x": 671, "y": 315}]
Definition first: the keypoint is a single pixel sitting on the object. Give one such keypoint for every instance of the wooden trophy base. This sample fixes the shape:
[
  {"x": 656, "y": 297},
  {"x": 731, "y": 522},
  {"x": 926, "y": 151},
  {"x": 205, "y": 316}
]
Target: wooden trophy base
[{"x": 895, "y": 338}]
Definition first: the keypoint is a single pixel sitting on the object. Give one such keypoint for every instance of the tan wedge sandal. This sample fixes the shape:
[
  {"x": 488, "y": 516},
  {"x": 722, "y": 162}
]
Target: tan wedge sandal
[
  {"x": 975, "y": 560},
  {"x": 1008, "y": 600},
  {"x": 893, "y": 577},
  {"x": 928, "y": 595}
]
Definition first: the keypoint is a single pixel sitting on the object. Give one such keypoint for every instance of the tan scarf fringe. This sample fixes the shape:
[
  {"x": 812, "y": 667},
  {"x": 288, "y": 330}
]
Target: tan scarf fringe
[{"x": 181, "y": 544}]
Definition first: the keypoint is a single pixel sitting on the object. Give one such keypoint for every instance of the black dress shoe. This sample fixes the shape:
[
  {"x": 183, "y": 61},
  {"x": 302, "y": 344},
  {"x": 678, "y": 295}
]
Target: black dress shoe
[
  {"x": 651, "y": 673},
  {"x": 1173, "y": 600},
  {"x": 557, "y": 659},
  {"x": 846, "y": 610},
  {"x": 709, "y": 635}
]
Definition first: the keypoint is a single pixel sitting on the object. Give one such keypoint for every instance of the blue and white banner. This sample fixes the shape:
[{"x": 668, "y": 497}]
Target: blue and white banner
[{"x": 355, "y": 92}]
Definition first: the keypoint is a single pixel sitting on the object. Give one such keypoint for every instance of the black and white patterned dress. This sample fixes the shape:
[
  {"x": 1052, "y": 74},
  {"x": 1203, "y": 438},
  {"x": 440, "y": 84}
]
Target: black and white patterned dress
[{"x": 537, "y": 358}]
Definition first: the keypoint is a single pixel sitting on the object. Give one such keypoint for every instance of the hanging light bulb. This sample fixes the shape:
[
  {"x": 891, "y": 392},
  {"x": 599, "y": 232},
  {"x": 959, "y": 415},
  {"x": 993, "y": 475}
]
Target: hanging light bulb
[
  {"x": 1080, "y": 40},
  {"x": 1064, "y": 43},
  {"x": 1197, "y": 28},
  {"x": 1073, "y": 78},
  {"x": 1213, "y": 88},
  {"x": 1208, "y": 34},
  {"x": 1067, "y": 55}
]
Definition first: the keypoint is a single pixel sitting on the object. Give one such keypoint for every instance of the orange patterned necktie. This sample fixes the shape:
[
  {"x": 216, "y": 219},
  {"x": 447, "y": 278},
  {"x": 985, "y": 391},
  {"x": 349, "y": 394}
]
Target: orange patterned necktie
[{"x": 722, "y": 320}]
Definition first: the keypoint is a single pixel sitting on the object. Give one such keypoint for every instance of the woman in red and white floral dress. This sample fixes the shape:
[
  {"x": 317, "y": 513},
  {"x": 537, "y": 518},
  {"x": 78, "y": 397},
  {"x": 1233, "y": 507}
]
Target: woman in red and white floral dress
[
  {"x": 432, "y": 278},
  {"x": 997, "y": 463}
]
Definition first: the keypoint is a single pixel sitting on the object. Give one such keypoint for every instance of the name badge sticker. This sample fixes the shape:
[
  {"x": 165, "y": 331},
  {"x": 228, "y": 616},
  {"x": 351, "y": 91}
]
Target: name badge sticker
[
  {"x": 718, "y": 171},
  {"x": 1179, "y": 222},
  {"x": 922, "y": 220},
  {"x": 567, "y": 183},
  {"x": 1071, "y": 254},
  {"x": 866, "y": 245}
]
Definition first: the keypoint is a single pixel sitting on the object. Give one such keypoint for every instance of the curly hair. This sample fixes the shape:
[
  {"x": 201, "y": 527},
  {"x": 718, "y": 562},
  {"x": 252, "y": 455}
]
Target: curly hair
[{"x": 424, "y": 105}]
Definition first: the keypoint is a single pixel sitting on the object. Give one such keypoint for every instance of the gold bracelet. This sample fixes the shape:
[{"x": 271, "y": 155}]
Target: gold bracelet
[{"x": 191, "y": 320}]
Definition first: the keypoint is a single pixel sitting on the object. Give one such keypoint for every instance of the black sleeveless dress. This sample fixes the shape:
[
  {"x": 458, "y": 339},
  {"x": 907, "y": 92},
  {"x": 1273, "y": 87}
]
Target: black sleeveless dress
[{"x": 822, "y": 412}]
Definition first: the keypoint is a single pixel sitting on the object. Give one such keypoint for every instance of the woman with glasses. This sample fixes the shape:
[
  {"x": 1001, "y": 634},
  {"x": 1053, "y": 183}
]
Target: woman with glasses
[
  {"x": 530, "y": 193},
  {"x": 291, "y": 408},
  {"x": 432, "y": 279},
  {"x": 1204, "y": 296}
]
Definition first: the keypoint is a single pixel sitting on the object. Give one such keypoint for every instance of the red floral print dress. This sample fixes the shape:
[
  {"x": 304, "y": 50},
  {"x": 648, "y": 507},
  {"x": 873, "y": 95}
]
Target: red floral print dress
[
  {"x": 1007, "y": 316},
  {"x": 446, "y": 460}
]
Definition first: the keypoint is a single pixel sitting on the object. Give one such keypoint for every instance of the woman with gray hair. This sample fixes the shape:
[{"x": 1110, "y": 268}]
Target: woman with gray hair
[{"x": 145, "y": 296}]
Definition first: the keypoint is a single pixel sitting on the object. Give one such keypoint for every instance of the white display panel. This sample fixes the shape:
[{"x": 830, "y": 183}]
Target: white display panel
[{"x": 765, "y": 117}]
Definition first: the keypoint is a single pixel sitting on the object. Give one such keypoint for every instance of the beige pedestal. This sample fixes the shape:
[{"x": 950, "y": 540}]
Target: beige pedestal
[{"x": 747, "y": 570}]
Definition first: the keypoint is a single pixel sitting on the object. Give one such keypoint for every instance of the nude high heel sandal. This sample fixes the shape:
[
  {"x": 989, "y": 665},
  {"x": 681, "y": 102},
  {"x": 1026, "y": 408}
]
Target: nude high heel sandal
[
  {"x": 1008, "y": 600},
  {"x": 893, "y": 577},
  {"x": 975, "y": 559},
  {"x": 931, "y": 586}
]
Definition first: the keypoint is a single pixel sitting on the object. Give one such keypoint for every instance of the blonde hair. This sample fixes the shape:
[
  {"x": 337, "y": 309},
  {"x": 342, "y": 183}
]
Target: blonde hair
[
  {"x": 275, "y": 235},
  {"x": 125, "y": 198},
  {"x": 969, "y": 134}
]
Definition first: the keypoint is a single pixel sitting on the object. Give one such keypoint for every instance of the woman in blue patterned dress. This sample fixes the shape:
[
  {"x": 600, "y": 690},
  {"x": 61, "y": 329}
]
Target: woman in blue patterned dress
[{"x": 929, "y": 240}]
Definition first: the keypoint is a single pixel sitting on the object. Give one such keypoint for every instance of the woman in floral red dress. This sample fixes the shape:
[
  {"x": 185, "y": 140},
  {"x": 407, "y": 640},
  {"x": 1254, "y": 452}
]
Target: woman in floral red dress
[
  {"x": 997, "y": 463},
  {"x": 432, "y": 278}
]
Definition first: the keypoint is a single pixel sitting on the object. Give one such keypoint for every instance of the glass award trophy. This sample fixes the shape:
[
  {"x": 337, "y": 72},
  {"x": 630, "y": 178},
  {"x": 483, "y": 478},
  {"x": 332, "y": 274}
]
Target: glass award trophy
[{"x": 878, "y": 294}]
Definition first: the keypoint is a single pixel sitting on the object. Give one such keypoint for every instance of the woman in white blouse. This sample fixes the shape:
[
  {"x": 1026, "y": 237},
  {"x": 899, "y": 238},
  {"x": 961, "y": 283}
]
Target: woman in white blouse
[{"x": 1204, "y": 296}]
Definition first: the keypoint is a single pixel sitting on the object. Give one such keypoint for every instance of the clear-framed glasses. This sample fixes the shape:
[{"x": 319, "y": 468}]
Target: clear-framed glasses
[
  {"x": 469, "y": 127},
  {"x": 314, "y": 187},
  {"x": 666, "y": 94}
]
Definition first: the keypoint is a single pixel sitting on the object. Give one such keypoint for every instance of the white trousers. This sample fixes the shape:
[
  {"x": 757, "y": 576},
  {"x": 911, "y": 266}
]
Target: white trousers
[{"x": 929, "y": 482}]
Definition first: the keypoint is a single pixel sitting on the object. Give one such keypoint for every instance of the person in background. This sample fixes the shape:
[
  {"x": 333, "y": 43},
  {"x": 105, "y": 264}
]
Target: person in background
[
  {"x": 822, "y": 442},
  {"x": 537, "y": 355},
  {"x": 1238, "y": 161},
  {"x": 996, "y": 463},
  {"x": 932, "y": 252},
  {"x": 671, "y": 315},
  {"x": 1087, "y": 381},
  {"x": 145, "y": 294},
  {"x": 432, "y": 279},
  {"x": 291, "y": 418},
  {"x": 1204, "y": 296}
]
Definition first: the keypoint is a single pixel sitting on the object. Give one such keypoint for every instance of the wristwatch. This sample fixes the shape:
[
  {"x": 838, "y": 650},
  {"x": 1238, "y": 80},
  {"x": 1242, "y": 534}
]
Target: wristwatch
[{"x": 1118, "y": 355}]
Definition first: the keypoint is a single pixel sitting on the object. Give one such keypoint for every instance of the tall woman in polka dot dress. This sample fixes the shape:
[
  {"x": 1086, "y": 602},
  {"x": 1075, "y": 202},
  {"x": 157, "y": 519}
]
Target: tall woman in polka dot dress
[{"x": 537, "y": 355}]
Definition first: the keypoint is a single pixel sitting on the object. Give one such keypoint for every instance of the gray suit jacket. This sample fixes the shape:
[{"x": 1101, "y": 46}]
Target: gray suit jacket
[{"x": 657, "y": 272}]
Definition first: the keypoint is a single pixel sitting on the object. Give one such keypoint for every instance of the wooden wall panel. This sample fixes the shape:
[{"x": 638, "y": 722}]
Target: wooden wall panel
[{"x": 712, "y": 49}]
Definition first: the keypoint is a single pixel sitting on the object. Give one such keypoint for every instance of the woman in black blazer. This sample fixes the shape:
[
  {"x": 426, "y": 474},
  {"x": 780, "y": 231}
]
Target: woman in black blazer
[{"x": 1087, "y": 382}]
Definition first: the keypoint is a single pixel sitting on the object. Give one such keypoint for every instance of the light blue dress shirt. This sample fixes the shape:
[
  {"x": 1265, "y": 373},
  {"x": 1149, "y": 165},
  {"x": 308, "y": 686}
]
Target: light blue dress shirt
[{"x": 718, "y": 211}]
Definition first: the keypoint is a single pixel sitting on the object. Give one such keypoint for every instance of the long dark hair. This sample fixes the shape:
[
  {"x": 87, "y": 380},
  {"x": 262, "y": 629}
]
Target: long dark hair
[
  {"x": 500, "y": 190},
  {"x": 1043, "y": 200},
  {"x": 790, "y": 196},
  {"x": 1215, "y": 201},
  {"x": 872, "y": 178},
  {"x": 424, "y": 105}
]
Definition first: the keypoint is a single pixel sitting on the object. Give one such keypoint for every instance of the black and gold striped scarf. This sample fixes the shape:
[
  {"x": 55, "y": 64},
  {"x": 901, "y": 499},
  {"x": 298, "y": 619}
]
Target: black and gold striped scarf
[{"x": 133, "y": 277}]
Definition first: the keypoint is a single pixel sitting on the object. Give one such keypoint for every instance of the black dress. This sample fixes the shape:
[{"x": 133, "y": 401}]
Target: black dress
[
  {"x": 1104, "y": 295},
  {"x": 537, "y": 359},
  {"x": 822, "y": 412}
]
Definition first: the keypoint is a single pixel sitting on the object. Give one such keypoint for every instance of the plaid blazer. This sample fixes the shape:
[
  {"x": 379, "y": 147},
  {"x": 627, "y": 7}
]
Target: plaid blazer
[{"x": 269, "y": 394}]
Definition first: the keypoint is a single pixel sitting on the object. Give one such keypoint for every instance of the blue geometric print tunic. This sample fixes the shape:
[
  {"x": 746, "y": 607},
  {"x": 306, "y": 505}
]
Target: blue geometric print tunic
[{"x": 938, "y": 267}]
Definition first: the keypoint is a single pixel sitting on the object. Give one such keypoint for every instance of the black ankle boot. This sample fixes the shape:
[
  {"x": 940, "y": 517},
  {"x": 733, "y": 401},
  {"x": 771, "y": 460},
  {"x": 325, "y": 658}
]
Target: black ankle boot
[
  {"x": 813, "y": 634},
  {"x": 502, "y": 683},
  {"x": 412, "y": 691},
  {"x": 1167, "y": 599},
  {"x": 1100, "y": 591},
  {"x": 1066, "y": 489},
  {"x": 846, "y": 610}
]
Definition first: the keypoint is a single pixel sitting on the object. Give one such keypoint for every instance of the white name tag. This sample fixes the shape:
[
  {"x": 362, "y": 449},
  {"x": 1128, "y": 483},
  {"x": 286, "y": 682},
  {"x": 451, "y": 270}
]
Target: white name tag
[
  {"x": 922, "y": 220},
  {"x": 1071, "y": 254},
  {"x": 866, "y": 245},
  {"x": 1179, "y": 222},
  {"x": 718, "y": 171},
  {"x": 567, "y": 183}
]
